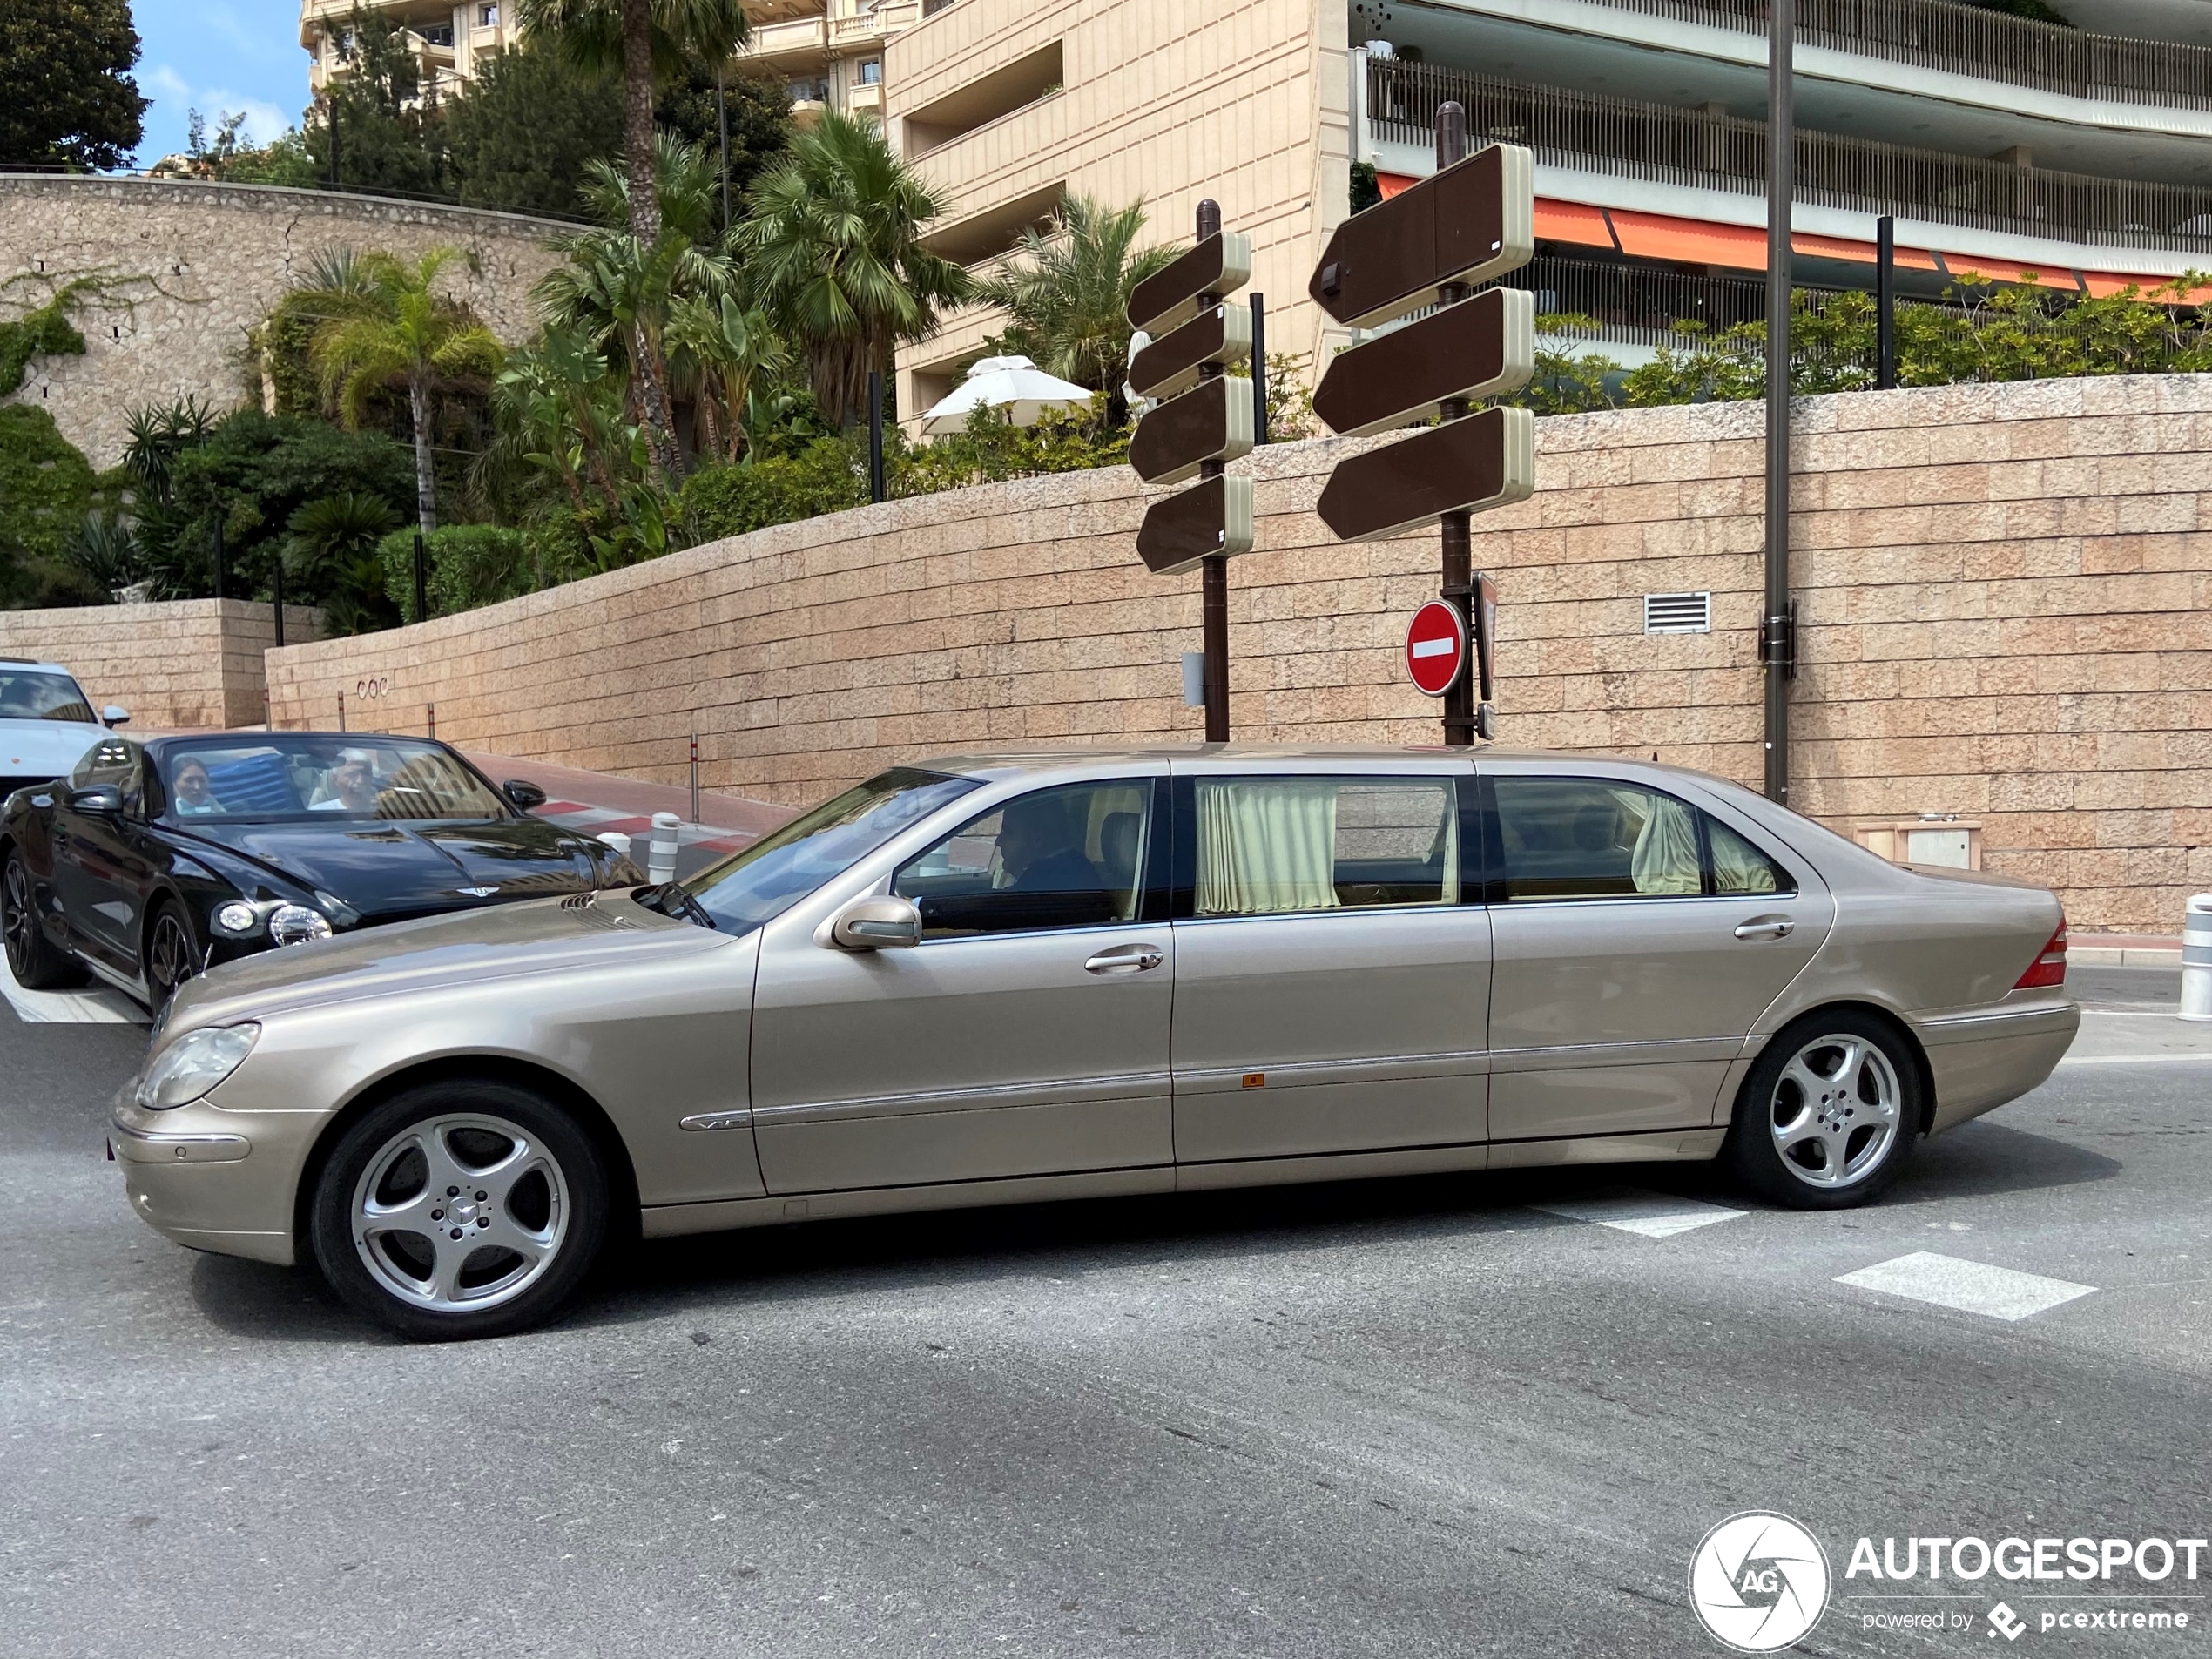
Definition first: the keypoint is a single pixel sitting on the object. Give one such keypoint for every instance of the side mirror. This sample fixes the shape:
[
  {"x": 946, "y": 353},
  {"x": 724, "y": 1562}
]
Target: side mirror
[
  {"x": 523, "y": 794},
  {"x": 99, "y": 800},
  {"x": 877, "y": 924},
  {"x": 115, "y": 715}
]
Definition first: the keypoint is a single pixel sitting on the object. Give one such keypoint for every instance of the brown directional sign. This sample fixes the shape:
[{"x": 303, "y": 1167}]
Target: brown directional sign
[
  {"x": 1213, "y": 422},
  {"x": 1486, "y": 460},
  {"x": 1213, "y": 516},
  {"x": 1474, "y": 220},
  {"x": 1220, "y": 264},
  {"x": 1477, "y": 349},
  {"x": 1221, "y": 333}
]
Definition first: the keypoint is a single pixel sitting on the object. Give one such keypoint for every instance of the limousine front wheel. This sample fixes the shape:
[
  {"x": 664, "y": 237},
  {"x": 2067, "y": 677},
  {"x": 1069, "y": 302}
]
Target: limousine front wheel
[
  {"x": 469, "y": 1208},
  {"x": 1828, "y": 1115}
]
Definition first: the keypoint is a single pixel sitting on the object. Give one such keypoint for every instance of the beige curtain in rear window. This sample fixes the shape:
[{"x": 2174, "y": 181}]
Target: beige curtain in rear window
[
  {"x": 1665, "y": 859},
  {"x": 1266, "y": 846}
]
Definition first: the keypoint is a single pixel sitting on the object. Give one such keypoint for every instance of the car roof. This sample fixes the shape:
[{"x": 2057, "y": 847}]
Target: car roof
[
  {"x": 237, "y": 736},
  {"x": 1013, "y": 761},
  {"x": 34, "y": 666}
]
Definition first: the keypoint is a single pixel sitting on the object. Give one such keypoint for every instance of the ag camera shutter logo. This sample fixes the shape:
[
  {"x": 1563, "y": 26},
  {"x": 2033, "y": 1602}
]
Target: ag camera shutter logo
[{"x": 1759, "y": 1581}]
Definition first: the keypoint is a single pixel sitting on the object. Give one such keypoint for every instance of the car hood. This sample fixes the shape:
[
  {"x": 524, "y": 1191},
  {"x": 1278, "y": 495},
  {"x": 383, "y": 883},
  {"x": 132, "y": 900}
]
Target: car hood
[
  {"x": 543, "y": 936},
  {"x": 384, "y": 869},
  {"x": 44, "y": 748}
]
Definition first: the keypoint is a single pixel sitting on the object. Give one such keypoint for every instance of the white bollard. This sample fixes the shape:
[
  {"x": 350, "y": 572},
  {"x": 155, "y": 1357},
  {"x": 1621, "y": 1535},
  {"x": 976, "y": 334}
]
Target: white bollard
[
  {"x": 2196, "y": 959},
  {"x": 617, "y": 840},
  {"x": 661, "y": 860}
]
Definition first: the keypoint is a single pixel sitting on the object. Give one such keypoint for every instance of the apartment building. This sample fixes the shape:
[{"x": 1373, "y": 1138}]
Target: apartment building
[
  {"x": 2000, "y": 145},
  {"x": 829, "y": 52}
]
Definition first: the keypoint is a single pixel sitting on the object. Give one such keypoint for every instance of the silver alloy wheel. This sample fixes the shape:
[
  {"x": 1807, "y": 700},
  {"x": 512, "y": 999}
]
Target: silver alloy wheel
[
  {"x": 1836, "y": 1110},
  {"x": 460, "y": 1213},
  {"x": 169, "y": 956},
  {"x": 21, "y": 920}
]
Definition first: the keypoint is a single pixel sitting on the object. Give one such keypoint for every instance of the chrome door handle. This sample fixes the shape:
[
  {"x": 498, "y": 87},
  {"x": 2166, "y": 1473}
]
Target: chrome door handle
[
  {"x": 1126, "y": 959},
  {"x": 1767, "y": 927}
]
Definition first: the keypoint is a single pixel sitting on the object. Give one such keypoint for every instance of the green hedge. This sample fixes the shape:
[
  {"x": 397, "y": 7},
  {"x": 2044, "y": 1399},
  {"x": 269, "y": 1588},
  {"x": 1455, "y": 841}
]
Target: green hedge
[{"x": 470, "y": 566}]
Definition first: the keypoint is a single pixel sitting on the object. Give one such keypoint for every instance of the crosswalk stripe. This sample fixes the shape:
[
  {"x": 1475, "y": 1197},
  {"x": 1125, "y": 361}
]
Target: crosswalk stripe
[
  {"x": 1627, "y": 1210},
  {"x": 1969, "y": 1287}
]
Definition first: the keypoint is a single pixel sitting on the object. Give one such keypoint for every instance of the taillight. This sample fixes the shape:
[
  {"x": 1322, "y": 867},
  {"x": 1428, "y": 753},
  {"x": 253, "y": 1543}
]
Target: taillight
[{"x": 2049, "y": 968}]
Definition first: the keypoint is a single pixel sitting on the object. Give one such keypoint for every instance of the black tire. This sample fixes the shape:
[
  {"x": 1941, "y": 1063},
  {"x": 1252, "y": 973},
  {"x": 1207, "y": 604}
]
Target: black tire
[
  {"x": 172, "y": 954},
  {"x": 1829, "y": 1113},
  {"x": 392, "y": 1272},
  {"x": 37, "y": 963}
]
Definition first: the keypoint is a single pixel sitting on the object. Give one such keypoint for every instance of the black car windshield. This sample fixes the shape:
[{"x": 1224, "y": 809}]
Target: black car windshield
[
  {"x": 270, "y": 776},
  {"x": 753, "y": 888},
  {"x": 42, "y": 697}
]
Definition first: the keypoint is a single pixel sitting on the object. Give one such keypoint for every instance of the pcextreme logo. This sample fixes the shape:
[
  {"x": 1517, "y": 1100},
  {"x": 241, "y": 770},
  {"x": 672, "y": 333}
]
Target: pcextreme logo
[{"x": 1759, "y": 1581}]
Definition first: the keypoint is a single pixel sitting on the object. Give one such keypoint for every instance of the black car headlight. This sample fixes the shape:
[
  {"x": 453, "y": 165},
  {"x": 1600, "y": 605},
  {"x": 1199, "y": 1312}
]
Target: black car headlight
[
  {"x": 196, "y": 1062},
  {"x": 295, "y": 924}
]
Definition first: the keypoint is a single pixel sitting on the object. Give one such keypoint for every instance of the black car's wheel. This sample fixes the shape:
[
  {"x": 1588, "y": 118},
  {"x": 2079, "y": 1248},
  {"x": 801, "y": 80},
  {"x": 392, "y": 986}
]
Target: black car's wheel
[
  {"x": 171, "y": 957},
  {"x": 36, "y": 962},
  {"x": 1829, "y": 1115},
  {"x": 466, "y": 1208}
]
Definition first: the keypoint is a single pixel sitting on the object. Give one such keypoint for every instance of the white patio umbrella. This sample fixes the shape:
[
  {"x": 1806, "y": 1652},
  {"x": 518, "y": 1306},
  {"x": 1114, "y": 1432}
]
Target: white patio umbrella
[{"x": 1013, "y": 384}]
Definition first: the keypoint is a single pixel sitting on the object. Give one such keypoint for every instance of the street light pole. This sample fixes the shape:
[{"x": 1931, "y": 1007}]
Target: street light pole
[{"x": 1777, "y": 642}]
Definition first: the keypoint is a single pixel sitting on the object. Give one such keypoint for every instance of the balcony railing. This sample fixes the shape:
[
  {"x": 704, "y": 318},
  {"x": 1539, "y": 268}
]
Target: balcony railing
[
  {"x": 1677, "y": 146},
  {"x": 1965, "y": 40}
]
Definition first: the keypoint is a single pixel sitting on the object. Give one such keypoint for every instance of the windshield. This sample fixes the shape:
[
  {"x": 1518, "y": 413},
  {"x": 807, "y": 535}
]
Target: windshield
[
  {"x": 754, "y": 886},
  {"x": 273, "y": 776},
  {"x": 42, "y": 697}
]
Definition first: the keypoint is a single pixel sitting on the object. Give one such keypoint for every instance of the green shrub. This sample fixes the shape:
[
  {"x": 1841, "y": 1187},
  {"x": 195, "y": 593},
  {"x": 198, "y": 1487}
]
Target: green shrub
[
  {"x": 470, "y": 566},
  {"x": 47, "y": 489},
  {"x": 773, "y": 490}
]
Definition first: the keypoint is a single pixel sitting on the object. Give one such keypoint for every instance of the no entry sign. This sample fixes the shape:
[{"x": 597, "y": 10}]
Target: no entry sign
[{"x": 1436, "y": 647}]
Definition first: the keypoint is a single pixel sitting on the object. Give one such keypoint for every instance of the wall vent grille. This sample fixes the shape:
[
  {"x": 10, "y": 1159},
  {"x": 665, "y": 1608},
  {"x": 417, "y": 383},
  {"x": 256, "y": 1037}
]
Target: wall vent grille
[{"x": 1678, "y": 613}]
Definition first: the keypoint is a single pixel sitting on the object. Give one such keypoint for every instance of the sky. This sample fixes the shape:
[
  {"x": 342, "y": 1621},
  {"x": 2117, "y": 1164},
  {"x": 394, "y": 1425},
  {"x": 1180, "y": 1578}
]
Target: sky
[{"x": 218, "y": 56}]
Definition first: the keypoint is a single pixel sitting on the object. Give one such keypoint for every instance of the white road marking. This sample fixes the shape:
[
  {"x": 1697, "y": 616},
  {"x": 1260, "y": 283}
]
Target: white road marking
[
  {"x": 2134, "y": 1059},
  {"x": 1653, "y": 1215},
  {"x": 1970, "y": 1287},
  {"x": 97, "y": 1006}
]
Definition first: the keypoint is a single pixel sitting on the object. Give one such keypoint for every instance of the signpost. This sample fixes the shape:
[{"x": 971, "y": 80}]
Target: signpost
[
  {"x": 1473, "y": 219},
  {"x": 1192, "y": 331}
]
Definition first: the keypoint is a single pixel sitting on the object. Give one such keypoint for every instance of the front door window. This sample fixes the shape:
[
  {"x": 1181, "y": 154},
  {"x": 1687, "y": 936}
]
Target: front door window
[{"x": 1071, "y": 857}]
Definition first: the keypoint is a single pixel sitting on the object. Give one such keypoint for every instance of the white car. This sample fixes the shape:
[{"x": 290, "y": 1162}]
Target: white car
[{"x": 46, "y": 723}]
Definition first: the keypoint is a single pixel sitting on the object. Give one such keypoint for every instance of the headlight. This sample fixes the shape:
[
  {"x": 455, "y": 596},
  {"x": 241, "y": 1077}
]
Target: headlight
[
  {"x": 237, "y": 919},
  {"x": 295, "y": 924},
  {"x": 195, "y": 1063}
]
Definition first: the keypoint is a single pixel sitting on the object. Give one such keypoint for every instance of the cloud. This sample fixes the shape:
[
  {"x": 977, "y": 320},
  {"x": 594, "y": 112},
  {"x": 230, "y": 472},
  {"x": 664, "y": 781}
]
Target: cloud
[{"x": 264, "y": 120}]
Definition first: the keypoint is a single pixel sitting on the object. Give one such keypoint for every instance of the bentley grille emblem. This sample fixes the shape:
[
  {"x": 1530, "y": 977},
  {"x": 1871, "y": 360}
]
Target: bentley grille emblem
[{"x": 477, "y": 893}]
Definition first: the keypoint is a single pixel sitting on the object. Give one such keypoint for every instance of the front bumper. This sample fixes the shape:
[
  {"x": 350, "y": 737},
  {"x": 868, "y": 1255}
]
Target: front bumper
[{"x": 215, "y": 1178}]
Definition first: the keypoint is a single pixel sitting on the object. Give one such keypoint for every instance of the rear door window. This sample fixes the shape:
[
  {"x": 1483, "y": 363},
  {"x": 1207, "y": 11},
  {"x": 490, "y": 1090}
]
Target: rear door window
[
  {"x": 1601, "y": 837},
  {"x": 1284, "y": 846}
]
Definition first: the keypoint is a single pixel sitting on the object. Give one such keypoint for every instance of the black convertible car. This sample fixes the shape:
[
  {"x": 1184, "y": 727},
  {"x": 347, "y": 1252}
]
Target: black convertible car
[{"x": 154, "y": 861}]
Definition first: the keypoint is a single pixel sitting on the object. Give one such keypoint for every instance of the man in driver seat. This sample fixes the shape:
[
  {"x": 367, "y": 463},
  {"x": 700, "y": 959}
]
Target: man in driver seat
[{"x": 1041, "y": 852}]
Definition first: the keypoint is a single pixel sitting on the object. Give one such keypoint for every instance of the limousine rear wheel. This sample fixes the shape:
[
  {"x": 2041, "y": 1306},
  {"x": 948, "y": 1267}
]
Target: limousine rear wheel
[
  {"x": 465, "y": 1208},
  {"x": 1829, "y": 1113}
]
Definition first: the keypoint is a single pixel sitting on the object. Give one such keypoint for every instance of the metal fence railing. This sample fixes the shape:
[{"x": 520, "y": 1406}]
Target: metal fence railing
[
  {"x": 1671, "y": 146},
  {"x": 1968, "y": 40}
]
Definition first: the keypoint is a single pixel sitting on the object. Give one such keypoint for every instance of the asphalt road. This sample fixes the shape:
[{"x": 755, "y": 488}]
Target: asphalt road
[{"x": 1397, "y": 1419}]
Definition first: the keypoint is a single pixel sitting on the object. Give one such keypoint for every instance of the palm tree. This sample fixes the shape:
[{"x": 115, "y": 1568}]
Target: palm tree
[
  {"x": 331, "y": 550},
  {"x": 717, "y": 351},
  {"x": 1070, "y": 299},
  {"x": 617, "y": 291},
  {"x": 401, "y": 331},
  {"x": 833, "y": 243},
  {"x": 647, "y": 41}
]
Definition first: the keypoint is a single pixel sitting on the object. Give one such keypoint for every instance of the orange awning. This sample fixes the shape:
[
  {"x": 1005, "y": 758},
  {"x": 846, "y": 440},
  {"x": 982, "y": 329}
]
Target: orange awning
[
  {"x": 1391, "y": 183},
  {"x": 1571, "y": 222},
  {"x": 1655, "y": 236}
]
